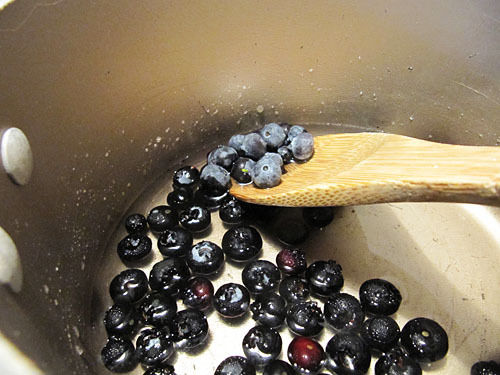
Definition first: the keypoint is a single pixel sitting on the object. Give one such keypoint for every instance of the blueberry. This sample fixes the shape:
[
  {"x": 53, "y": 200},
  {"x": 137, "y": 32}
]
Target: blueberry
[
  {"x": 223, "y": 156},
  {"x": 134, "y": 247},
  {"x": 128, "y": 286},
  {"x": 397, "y": 362},
  {"x": 291, "y": 231},
  {"x": 186, "y": 178},
  {"x": 199, "y": 293},
  {"x": 231, "y": 300},
  {"x": 294, "y": 289},
  {"x": 121, "y": 320},
  {"x": 232, "y": 212},
  {"x": 302, "y": 146},
  {"x": 164, "y": 370},
  {"x": 306, "y": 355},
  {"x": 236, "y": 142},
  {"x": 180, "y": 198},
  {"x": 286, "y": 154},
  {"x": 195, "y": 218},
  {"x": 424, "y": 339},
  {"x": 325, "y": 277},
  {"x": 242, "y": 243},
  {"x": 242, "y": 169},
  {"x": 380, "y": 333},
  {"x": 347, "y": 354},
  {"x": 118, "y": 355},
  {"x": 205, "y": 258},
  {"x": 169, "y": 276},
  {"x": 253, "y": 146},
  {"x": 266, "y": 173},
  {"x": 305, "y": 318},
  {"x": 278, "y": 367},
  {"x": 318, "y": 217},
  {"x": 136, "y": 223},
  {"x": 291, "y": 261},
  {"x": 260, "y": 276},
  {"x": 235, "y": 365},
  {"x": 158, "y": 309},
  {"x": 210, "y": 200},
  {"x": 485, "y": 368},
  {"x": 379, "y": 296},
  {"x": 343, "y": 311},
  {"x": 215, "y": 179},
  {"x": 161, "y": 218},
  {"x": 273, "y": 134},
  {"x": 293, "y": 131},
  {"x": 261, "y": 345},
  {"x": 269, "y": 309},
  {"x": 190, "y": 328},
  {"x": 153, "y": 348},
  {"x": 175, "y": 242}
]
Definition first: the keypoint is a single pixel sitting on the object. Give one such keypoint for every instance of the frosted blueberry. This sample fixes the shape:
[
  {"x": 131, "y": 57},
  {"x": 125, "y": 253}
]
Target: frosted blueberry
[
  {"x": 215, "y": 178},
  {"x": 253, "y": 146},
  {"x": 302, "y": 146},
  {"x": 236, "y": 141},
  {"x": 223, "y": 156},
  {"x": 267, "y": 173},
  {"x": 273, "y": 134},
  {"x": 294, "y": 131}
]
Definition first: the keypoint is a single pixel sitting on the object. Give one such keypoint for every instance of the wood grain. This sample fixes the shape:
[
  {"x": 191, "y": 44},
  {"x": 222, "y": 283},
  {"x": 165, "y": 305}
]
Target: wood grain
[{"x": 366, "y": 168}]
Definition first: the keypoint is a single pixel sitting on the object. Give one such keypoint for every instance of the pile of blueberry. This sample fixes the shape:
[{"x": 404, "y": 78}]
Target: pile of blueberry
[{"x": 257, "y": 157}]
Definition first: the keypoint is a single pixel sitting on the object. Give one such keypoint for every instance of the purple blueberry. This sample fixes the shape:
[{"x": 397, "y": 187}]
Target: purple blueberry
[
  {"x": 223, "y": 156},
  {"x": 254, "y": 146},
  {"x": 273, "y": 134},
  {"x": 242, "y": 169},
  {"x": 215, "y": 178},
  {"x": 302, "y": 146}
]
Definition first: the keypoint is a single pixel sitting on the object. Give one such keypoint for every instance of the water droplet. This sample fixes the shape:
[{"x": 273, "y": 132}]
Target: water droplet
[
  {"x": 46, "y": 289},
  {"x": 56, "y": 302},
  {"x": 361, "y": 93},
  {"x": 410, "y": 68},
  {"x": 311, "y": 70},
  {"x": 412, "y": 118},
  {"x": 158, "y": 139}
]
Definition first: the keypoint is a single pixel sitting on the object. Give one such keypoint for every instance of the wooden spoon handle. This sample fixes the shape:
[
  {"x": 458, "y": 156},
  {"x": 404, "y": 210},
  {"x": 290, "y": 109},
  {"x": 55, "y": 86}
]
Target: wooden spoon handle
[{"x": 364, "y": 168}]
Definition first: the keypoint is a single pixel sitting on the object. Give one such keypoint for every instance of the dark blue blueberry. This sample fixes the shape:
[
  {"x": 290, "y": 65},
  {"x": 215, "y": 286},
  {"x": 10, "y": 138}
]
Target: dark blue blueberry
[
  {"x": 211, "y": 201},
  {"x": 158, "y": 309},
  {"x": 231, "y": 300},
  {"x": 186, "y": 178},
  {"x": 278, "y": 367},
  {"x": 325, "y": 277},
  {"x": 347, "y": 354},
  {"x": 169, "y": 276},
  {"x": 485, "y": 368},
  {"x": 175, "y": 242},
  {"x": 254, "y": 146},
  {"x": 128, "y": 286},
  {"x": 164, "y": 370},
  {"x": 269, "y": 309},
  {"x": 294, "y": 289},
  {"x": 190, "y": 328},
  {"x": 261, "y": 345},
  {"x": 161, "y": 218},
  {"x": 261, "y": 276},
  {"x": 223, "y": 156},
  {"x": 380, "y": 333},
  {"x": 242, "y": 169},
  {"x": 266, "y": 173},
  {"x": 136, "y": 223},
  {"x": 424, "y": 339},
  {"x": 236, "y": 142},
  {"x": 195, "y": 218},
  {"x": 273, "y": 134},
  {"x": 293, "y": 131},
  {"x": 199, "y": 293},
  {"x": 153, "y": 348},
  {"x": 134, "y": 247},
  {"x": 235, "y": 365},
  {"x": 180, "y": 198},
  {"x": 291, "y": 261},
  {"x": 302, "y": 146},
  {"x": 232, "y": 212},
  {"x": 118, "y": 355},
  {"x": 205, "y": 258},
  {"x": 242, "y": 243},
  {"x": 305, "y": 318},
  {"x": 343, "y": 311},
  {"x": 291, "y": 231},
  {"x": 215, "y": 179},
  {"x": 121, "y": 320},
  {"x": 286, "y": 154},
  {"x": 379, "y": 297},
  {"x": 318, "y": 217},
  {"x": 397, "y": 362}
]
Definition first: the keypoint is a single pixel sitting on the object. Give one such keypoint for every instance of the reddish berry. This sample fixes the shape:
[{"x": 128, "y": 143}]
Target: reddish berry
[{"x": 306, "y": 354}]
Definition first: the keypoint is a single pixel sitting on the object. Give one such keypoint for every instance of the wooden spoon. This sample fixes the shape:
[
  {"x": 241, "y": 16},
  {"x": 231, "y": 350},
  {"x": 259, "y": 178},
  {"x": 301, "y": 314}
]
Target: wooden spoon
[{"x": 365, "y": 168}]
